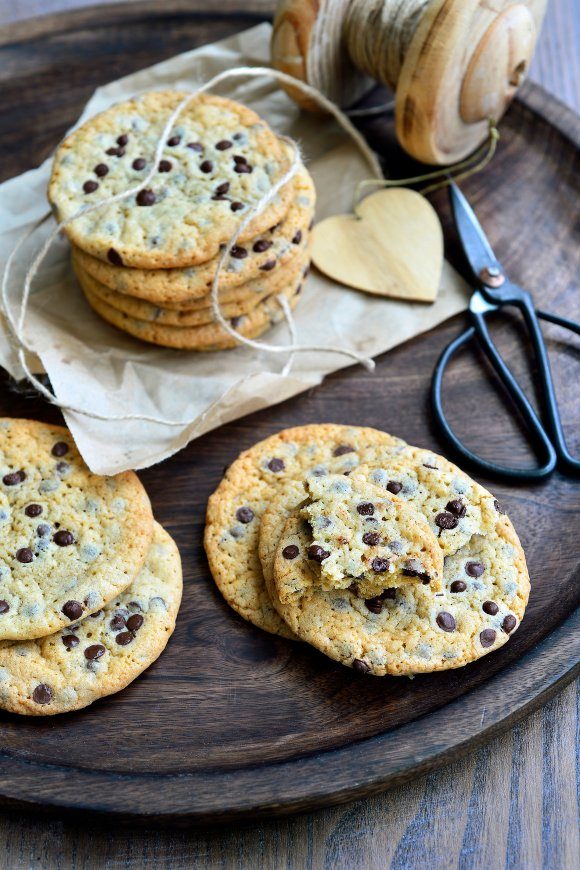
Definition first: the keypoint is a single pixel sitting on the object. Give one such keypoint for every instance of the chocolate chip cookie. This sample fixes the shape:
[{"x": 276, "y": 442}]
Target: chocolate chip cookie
[
  {"x": 256, "y": 260},
  {"x": 99, "y": 654},
  {"x": 249, "y": 484},
  {"x": 411, "y": 630},
  {"x": 220, "y": 159},
  {"x": 71, "y": 539}
]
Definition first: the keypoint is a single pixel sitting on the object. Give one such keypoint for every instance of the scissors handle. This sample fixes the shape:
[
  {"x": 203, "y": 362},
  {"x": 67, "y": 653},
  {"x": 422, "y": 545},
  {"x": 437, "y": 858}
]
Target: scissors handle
[
  {"x": 544, "y": 449},
  {"x": 567, "y": 463}
]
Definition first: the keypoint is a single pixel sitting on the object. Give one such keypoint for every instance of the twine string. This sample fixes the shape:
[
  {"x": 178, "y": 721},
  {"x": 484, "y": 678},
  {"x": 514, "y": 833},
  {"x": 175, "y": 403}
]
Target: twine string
[{"x": 457, "y": 172}]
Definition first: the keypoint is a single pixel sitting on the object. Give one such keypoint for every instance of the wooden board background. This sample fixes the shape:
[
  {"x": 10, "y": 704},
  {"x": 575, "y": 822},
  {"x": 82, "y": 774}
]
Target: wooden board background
[{"x": 336, "y": 399}]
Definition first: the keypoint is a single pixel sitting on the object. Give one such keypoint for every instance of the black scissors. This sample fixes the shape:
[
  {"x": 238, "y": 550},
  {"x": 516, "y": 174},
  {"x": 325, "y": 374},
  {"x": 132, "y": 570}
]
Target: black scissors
[{"x": 493, "y": 291}]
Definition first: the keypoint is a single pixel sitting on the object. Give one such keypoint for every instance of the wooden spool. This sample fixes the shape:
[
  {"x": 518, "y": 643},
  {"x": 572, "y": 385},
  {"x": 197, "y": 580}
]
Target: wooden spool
[{"x": 465, "y": 61}]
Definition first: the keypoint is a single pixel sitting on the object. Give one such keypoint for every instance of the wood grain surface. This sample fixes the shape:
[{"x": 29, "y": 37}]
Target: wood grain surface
[{"x": 513, "y": 803}]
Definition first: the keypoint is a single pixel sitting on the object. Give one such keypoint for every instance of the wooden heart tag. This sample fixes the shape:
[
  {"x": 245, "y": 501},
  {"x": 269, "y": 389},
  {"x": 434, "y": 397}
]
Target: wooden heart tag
[{"x": 393, "y": 247}]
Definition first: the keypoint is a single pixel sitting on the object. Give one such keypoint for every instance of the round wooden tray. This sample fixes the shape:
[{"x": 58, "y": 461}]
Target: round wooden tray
[{"x": 232, "y": 723}]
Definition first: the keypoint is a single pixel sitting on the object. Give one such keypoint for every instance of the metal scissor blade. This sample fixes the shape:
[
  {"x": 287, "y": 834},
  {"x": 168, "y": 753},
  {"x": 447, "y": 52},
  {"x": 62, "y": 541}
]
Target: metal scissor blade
[{"x": 477, "y": 249}]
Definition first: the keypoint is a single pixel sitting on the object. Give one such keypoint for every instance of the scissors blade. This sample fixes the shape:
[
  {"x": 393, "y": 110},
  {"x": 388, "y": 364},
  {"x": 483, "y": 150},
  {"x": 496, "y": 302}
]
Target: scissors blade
[{"x": 477, "y": 248}]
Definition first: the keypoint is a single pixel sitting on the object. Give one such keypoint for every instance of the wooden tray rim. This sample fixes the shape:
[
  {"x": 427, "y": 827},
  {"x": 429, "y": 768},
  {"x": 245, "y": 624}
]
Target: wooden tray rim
[{"x": 334, "y": 776}]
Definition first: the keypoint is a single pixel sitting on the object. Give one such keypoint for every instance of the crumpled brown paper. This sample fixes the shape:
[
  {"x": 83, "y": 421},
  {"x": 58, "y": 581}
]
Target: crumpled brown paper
[{"x": 93, "y": 365}]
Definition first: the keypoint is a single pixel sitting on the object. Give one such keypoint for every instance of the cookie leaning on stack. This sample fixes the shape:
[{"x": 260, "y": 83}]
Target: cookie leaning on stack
[
  {"x": 395, "y": 563},
  {"x": 148, "y": 256},
  {"x": 73, "y": 543}
]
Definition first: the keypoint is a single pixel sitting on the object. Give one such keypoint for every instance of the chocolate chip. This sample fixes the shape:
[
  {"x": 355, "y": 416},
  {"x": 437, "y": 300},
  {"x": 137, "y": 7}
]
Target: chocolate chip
[
  {"x": 371, "y": 538},
  {"x": 237, "y": 206},
  {"x": 394, "y": 486},
  {"x": 73, "y": 610},
  {"x": 490, "y": 607},
  {"x": 117, "y": 622},
  {"x": 165, "y": 166},
  {"x": 243, "y": 168},
  {"x": 238, "y": 252},
  {"x": 342, "y": 449},
  {"x": 474, "y": 569},
  {"x": 390, "y": 593},
  {"x": 366, "y": 509},
  {"x": 145, "y": 197},
  {"x": 42, "y": 694},
  {"x": 175, "y": 140},
  {"x": 14, "y": 478},
  {"x": 135, "y": 622},
  {"x": 413, "y": 568},
  {"x": 456, "y": 507},
  {"x": 297, "y": 238},
  {"x": 446, "y": 521},
  {"x": 316, "y": 553},
  {"x": 380, "y": 565},
  {"x": 63, "y": 538},
  {"x": 95, "y": 651},
  {"x": 115, "y": 152},
  {"x": 261, "y": 245},
  {"x": 223, "y": 144},
  {"x": 245, "y": 514},
  {"x": 61, "y": 448},
  {"x": 218, "y": 198},
  {"x": 90, "y": 186},
  {"x": 135, "y": 605},
  {"x": 276, "y": 464},
  {"x": 70, "y": 640},
  {"x": 235, "y": 321},
  {"x": 360, "y": 666},
  {"x": 195, "y": 146},
  {"x": 458, "y": 586},
  {"x": 426, "y": 465},
  {"x": 124, "y": 638},
  {"x": 101, "y": 169},
  {"x": 33, "y": 510},
  {"x": 487, "y": 637},
  {"x": 4, "y": 606},
  {"x": 238, "y": 136},
  {"x": 222, "y": 188},
  {"x": 509, "y": 623},
  {"x": 25, "y": 555},
  {"x": 239, "y": 158},
  {"x": 114, "y": 257},
  {"x": 268, "y": 266},
  {"x": 446, "y": 621},
  {"x": 375, "y": 605},
  {"x": 139, "y": 163},
  {"x": 62, "y": 467},
  {"x": 96, "y": 614},
  {"x": 122, "y": 140},
  {"x": 290, "y": 552},
  {"x": 43, "y": 530}
]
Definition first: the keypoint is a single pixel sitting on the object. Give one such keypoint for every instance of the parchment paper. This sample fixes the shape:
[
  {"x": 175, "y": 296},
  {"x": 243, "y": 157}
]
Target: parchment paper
[{"x": 94, "y": 365}]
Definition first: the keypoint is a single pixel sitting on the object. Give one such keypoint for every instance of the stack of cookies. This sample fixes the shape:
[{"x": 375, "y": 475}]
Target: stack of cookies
[
  {"x": 387, "y": 558},
  {"x": 146, "y": 262},
  {"x": 90, "y": 584}
]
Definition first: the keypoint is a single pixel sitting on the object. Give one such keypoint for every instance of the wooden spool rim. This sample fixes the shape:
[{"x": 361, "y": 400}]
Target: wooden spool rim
[{"x": 431, "y": 98}]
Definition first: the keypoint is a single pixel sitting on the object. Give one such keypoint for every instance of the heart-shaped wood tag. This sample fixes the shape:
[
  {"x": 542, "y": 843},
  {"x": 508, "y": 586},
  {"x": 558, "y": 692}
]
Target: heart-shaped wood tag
[{"x": 394, "y": 247}]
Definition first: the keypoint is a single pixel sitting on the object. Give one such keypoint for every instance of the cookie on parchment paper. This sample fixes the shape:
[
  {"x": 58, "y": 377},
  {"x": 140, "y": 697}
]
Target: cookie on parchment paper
[
  {"x": 258, "y": 258},
  {"x": 184, "y": 215}
]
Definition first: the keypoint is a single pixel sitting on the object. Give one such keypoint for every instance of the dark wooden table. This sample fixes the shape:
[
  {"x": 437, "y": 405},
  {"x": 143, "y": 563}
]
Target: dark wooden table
[{"x": 512, "y": 803}]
